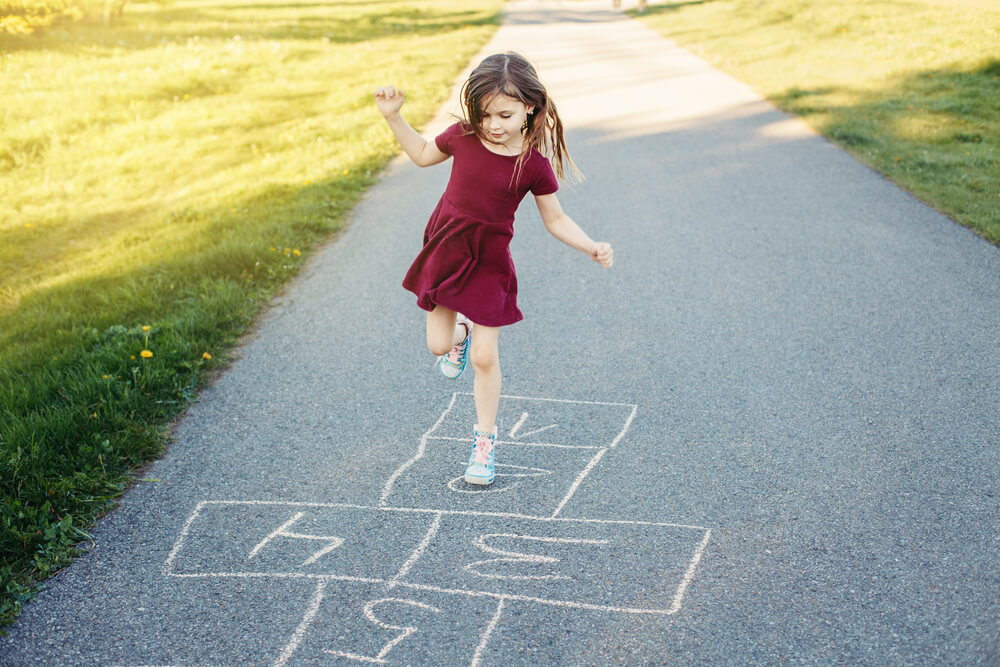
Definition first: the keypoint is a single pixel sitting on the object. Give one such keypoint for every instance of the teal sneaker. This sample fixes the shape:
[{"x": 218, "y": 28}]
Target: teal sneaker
[
  {"x": 453, "y": 363},
  {"x": 481, "y": 469}
]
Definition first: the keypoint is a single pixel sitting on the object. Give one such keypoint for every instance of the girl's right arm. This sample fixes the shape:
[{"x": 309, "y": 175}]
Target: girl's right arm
[{"x": 423, "y": 153}]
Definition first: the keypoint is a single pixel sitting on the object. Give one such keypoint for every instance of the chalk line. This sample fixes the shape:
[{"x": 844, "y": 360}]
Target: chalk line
[
  {"x": 300, "y": 631},
  {"x": 518, "y": 442},
  {"x": 415, "y": 556},
  {"x": 485, "y": 639},
  {"x": 387, "y": 489},
  {"x": 579, "y": 480},
  {"x": 689, "y": 574}
]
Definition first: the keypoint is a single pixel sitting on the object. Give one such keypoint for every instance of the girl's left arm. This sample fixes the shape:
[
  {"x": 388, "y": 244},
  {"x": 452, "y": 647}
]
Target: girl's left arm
[{"x": 563, "y": 228}]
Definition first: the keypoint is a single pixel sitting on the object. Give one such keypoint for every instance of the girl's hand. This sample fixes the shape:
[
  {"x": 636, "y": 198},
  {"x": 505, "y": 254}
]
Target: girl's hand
[
  {"x": 603, "y": 254},
  {"x": 389, "y": 100}
]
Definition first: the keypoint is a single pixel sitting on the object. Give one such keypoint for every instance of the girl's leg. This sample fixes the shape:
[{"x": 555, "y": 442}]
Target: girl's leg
[
  {"x": 486, "y": 388},
  {"x": 442, "y": 331}
]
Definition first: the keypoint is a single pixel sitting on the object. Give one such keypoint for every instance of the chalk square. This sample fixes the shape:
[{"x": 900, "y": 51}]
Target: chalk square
[
  {"x": 246, "y": 539},
  {"x": 529, "y": 480},
  {"x": 541, "y": 421},
  {"x": 588, "y": 564},
  {"x": 357, "y": 623}
]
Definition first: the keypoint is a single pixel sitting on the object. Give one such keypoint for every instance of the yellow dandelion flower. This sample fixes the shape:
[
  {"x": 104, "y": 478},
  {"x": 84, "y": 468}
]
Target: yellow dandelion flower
[
  {"x": 132, "y": 357},
  {"x": 93, "y": 416},
  {"x": 206, "y": 355},
  {"x": 346, "y": 172},
  {"x": 106, "y": 377},
  {"x": 296, "y": 252},
  {"x": 146, "y": 354},
  {"x": 146, "y": 327}
]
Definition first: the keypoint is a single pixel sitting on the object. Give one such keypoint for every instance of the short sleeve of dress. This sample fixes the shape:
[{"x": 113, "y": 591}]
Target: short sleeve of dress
[
  {"x": 544, "y": 181},
  {"x": 444, "y": 139}
]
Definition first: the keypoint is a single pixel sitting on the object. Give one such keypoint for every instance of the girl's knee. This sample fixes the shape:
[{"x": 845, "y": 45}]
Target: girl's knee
[
  {"x": 439, "y": 348},
  {"x": 484, "y": 358}
]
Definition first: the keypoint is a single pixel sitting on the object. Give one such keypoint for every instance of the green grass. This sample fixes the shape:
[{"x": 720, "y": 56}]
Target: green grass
[
  {"x": 172, "y": 170},
  {"x": 910, "y": 87}
]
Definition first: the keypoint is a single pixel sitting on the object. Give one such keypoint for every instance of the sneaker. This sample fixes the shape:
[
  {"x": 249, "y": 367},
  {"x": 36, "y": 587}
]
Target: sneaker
[
  {"x": 480, "y": 468},
  {"x": 453, "y": 363}
]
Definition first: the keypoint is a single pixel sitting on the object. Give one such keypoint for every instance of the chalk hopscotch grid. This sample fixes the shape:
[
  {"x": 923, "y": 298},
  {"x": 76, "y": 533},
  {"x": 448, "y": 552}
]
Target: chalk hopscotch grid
[
  {"x": 601, "y": 451},
  {"x": 398, "y": 579}
]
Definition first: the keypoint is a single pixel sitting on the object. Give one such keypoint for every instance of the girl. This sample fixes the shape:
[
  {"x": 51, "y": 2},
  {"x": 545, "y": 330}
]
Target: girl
[{"x": 464, "y": 276}]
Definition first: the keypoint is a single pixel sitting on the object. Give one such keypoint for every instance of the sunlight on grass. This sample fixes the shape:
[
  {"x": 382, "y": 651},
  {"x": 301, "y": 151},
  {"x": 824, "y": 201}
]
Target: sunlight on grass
[
  {"x": 200, "y": 108},
  {"x": 161, "y": 177},
  {"x": 910, "y": 88}
]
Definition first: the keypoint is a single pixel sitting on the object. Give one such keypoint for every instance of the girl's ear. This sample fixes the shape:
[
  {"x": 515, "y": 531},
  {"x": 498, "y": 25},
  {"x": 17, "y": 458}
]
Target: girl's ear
[{"x": 531, "y": 110}]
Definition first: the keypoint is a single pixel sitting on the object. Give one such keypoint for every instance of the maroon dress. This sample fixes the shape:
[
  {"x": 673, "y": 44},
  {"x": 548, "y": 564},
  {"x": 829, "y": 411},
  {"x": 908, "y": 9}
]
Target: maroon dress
[{"x": 465, "y": 264}]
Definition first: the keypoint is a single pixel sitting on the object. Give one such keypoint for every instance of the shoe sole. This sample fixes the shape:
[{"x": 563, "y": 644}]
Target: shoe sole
[{"x": 479, "y": 481}]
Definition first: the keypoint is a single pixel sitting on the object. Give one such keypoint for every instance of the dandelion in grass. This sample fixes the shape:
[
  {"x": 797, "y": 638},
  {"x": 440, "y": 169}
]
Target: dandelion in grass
[
  {"x": 146, "y": 354},
  {"x": 206, "y": 356},
  {"x": 296, "y": 252}
]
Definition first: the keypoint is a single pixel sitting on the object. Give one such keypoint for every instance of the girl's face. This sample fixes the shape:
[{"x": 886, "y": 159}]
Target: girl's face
[{"x": 503, "y": 118}]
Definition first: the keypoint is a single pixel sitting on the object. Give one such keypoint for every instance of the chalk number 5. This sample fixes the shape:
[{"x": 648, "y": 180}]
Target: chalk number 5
[{"x": 403, "y": 634}]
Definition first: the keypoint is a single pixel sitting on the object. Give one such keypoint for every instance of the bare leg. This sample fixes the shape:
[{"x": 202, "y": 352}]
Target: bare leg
[
  {"x": 442, "y": 331},
  {"x": 486, "y": 388}
]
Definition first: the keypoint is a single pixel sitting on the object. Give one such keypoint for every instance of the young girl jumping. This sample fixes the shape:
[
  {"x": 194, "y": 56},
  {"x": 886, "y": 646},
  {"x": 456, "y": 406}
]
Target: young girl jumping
[{"x": 464, "y": 276}]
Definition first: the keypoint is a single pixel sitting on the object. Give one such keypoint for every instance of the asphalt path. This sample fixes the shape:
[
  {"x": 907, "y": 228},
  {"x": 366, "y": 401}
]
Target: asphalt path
[{"x": 767, "y": 435}]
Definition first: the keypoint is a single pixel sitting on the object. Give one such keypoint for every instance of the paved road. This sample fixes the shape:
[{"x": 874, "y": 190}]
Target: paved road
[{"x": 768, "y": 435}]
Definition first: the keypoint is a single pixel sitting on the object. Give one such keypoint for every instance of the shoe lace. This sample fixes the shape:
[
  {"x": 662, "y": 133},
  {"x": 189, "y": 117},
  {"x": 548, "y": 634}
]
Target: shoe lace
[
  {"x": 484, "y": 447},
  {"x": 456, "y": 352}
]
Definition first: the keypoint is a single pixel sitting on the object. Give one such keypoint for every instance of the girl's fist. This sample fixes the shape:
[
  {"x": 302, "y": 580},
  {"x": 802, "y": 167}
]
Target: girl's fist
[
  {"x": 603, "y": 254},
  {"x": 389, "y": 100}
]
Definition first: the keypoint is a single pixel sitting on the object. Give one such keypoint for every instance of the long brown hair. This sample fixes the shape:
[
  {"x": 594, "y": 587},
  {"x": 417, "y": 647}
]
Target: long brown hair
[{"x": 512, "y": 75}]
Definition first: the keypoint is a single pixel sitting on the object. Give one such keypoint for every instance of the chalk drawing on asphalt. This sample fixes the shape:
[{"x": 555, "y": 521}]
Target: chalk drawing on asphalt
[{"x": 486, "y": 558}]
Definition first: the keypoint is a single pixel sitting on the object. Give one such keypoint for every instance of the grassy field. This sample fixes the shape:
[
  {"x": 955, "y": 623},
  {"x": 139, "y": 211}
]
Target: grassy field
[
  {"x": 161, "y": 178},
  {"x": 910, "y": 87}
]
